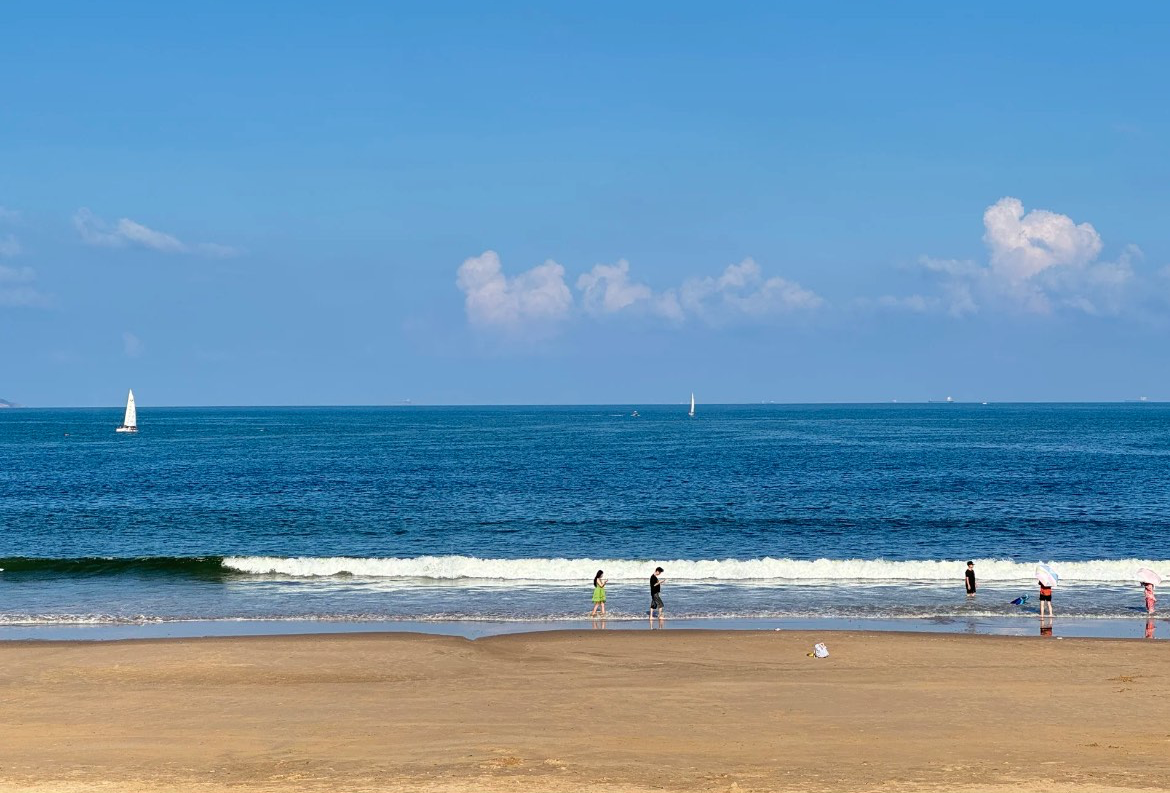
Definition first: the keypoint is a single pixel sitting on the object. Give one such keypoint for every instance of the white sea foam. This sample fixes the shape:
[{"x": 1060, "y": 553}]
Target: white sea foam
[
  {"x": 451, "y": 568},
  {"x": 941, "y": 617},
  {"x": 77, "y": 619}
]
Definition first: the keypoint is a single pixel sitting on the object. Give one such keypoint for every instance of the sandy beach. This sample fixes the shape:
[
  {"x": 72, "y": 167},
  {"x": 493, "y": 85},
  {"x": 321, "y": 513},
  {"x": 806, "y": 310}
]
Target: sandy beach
[{"x": 662, "y": 710}]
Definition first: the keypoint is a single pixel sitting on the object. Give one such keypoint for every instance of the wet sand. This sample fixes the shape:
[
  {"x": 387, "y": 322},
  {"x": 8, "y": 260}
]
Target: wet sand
[{"x": 603, "y": 710}]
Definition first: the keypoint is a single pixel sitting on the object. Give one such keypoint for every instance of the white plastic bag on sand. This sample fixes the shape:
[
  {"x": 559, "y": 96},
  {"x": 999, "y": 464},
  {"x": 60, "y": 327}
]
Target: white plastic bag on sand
[{"x": 820, "y": 650}]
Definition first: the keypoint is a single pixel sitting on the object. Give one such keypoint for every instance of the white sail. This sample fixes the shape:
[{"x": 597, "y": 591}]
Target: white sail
[
  {"x": 692, "y": 404},
  {"x": 130, "y": 423}
]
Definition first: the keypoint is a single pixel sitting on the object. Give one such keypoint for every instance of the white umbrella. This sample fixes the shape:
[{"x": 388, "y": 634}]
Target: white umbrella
[
  {"x": 1148, "y": 576},
  {"x": 1046, "y": 575}
]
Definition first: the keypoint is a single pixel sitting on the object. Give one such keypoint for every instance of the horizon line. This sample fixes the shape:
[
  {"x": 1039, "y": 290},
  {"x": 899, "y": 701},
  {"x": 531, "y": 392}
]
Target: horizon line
[{"x": 684, "y": 403}]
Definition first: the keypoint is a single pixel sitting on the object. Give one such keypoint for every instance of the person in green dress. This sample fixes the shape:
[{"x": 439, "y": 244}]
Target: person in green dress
[{"x": 599, "y": 593}]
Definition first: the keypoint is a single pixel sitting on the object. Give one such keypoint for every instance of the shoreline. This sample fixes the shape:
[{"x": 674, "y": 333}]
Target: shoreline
[
  {"x": 560, "y": 711},
  {"x": 1142, "y": 627}
]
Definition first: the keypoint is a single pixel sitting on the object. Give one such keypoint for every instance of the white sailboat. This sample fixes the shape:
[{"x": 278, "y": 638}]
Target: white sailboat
[
  {"x": 692, "y": 413},
  {"x": 130, "y": 422}
]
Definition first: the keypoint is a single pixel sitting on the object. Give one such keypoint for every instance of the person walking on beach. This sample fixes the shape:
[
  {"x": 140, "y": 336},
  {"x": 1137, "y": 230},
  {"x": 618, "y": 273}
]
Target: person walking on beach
[
  {"x": 656, "y": 594},
  {"x": 1045, "y": 599},
  {"x": 599, "y": 593},
  {"x": 1150, "y": 599},
  {"x": 970, "y": 579}
]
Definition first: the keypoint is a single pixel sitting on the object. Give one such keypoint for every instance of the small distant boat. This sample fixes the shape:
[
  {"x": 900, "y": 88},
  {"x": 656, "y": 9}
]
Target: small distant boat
[
  {"x": 692, "y": 413},
  {"x": 634, "y": 415},
  {"x": 130, "y": 422}
]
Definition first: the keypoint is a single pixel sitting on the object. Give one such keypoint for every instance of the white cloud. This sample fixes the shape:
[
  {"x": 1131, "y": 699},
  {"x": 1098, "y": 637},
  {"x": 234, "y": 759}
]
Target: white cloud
[
  {"x": 955, "y": 267},
  {"x": 9, "y": 246},
  {"x": 133, "y": 232},
  {"x": 17, "y": 290},
  {"x": 132, "y": 346},
  {"x": 739, "y": 292},
  {"x": 539, "y": 296},
  {"x": 1038, "y": 262},
  {"x": 129, "y": 233},
  {"x": 607, "y": 289},
  {"x": 1024, "y": 245},
  {"x": 95, "y": 231},
  {"x": 742, "y": 291},
  {"x": 9, "y": 215}
]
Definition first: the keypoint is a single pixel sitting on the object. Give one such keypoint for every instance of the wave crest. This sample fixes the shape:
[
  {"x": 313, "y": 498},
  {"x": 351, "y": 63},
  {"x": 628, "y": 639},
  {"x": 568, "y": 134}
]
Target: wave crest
[{"x": 768, "y": 568}]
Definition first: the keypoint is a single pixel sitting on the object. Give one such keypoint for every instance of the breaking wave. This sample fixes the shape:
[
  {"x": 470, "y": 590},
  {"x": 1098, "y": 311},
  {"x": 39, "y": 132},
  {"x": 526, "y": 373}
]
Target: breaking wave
[
  {"x": 559, "y": 569},
  {"x": 572, "y": 571}
]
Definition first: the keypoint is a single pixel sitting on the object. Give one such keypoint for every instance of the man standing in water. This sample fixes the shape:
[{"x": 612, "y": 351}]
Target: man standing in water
[
  {"x": 656, "y": 595},
  {"x": 970, "y": 579}
]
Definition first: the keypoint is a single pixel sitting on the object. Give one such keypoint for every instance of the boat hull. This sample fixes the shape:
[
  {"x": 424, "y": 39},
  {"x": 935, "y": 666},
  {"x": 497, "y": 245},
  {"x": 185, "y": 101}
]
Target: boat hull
[{"x": 126, "y": 429}]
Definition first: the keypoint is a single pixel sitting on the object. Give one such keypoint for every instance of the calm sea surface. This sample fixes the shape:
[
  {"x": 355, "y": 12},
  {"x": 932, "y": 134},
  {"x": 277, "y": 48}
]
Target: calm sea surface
[{"x": 506, "y": 513}]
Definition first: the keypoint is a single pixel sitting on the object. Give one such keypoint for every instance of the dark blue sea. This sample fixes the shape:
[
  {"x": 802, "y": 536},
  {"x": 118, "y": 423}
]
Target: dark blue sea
[{"x": 769, "y": 512}]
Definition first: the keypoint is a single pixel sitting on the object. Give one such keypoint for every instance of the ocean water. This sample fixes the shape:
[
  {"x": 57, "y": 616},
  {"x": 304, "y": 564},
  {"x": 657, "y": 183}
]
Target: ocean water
[{"x": 459, "y": 515}]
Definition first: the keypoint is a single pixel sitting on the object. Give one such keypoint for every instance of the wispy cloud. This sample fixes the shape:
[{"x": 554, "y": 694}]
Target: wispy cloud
[
  {"x": 1038, "y": 262},
  {"x": 129, "y": 233},
  {"x": 742, "y": 291},
  {"x": 17, "y": 275},
  {"x": 9, "y": 215},
  {"x": 132, "y": 346},
  {"x": 537, "y": 297},
  {"x": 18, "y": 289},
  {"x": 9, "y": 246},
  {"x": 217, "y": 251}
]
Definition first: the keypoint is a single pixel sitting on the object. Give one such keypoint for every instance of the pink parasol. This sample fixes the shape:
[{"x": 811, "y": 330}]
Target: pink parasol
[
  {"x": 1148, "y": 576},
  {"x": 1046, "y": 575}
]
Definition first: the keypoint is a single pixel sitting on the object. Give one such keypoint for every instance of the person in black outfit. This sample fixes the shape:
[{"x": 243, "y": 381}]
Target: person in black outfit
[
  {"x": 970, "y": 579},
  {"x": 656, "y": 594}
]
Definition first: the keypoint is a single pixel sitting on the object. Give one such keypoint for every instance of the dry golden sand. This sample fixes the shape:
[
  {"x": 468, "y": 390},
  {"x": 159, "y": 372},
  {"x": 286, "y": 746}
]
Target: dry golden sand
[{"x": 603, "y": 710}]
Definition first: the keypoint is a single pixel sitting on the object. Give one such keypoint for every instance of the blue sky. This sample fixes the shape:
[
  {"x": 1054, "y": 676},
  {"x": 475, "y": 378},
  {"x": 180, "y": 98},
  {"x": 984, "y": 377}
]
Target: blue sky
[{"x": 530, "y": 203}]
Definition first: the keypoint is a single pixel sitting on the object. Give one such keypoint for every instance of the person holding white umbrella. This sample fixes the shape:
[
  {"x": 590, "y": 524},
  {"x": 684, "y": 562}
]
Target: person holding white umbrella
[
  {"x": 1047, "y": 578},
  {"x": 1149, "y": 579}
]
